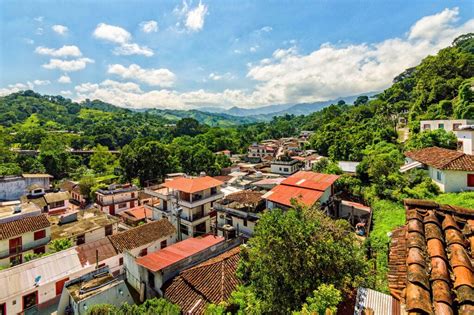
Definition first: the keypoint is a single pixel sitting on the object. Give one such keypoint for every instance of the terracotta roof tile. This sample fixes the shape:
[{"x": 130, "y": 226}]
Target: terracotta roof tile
[
  {"x": 192, "y": 185},
  {"x": 22, "y": 226},
  {"x": 430, "y": 266},
  {"x": 443, "y": 159},
  {"x": 142, "y": 235}
]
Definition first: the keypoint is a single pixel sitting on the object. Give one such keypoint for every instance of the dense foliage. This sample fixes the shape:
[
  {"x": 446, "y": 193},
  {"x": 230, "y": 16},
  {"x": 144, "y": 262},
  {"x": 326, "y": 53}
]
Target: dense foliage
[{"x": 150, "y": 306}]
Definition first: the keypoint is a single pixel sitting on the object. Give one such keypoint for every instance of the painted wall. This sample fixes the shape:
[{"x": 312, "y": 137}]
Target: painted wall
[
  {"x": 28, "y": 244},
  {"x": 14, "y": 188},
  {"x": 451, "y": 181}
]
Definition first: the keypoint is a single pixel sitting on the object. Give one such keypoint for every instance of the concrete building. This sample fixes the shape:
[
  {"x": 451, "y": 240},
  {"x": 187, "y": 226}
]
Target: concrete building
[
  {"x": 74, "y": 192},
  {"x": 23, "y": 230},
  {"x": 285, "y": 167},
  {"x": 462, "y": 128},
  {"x": 304, "y": 187},
  {"x": 187, "y": 203},
  {"x": 240, "y": 211},
  {"x": 452, "y": 171},
  {"x": 117, "y": 198},
  {"x": 53, "y": 203},
  {"x": 257, "y": 152},
  {"x": 13, "y": 187}
]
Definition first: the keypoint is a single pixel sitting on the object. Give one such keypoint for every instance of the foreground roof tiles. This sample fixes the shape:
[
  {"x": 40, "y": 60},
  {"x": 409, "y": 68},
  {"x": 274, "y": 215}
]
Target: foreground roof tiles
[
  {"x": 22, "y": 226},
  {"x": 172, "y": 254},
  {"x": 209, "y": 282},
  {"x": 430, "y": 260},
  {"x": 142, "y": 235},
  {"x": 443, "y": 159},
  {"x": 192, "y": 185}
]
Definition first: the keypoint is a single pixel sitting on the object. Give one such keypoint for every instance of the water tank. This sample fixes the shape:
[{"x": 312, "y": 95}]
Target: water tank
[{"x": 258, "y": 174}]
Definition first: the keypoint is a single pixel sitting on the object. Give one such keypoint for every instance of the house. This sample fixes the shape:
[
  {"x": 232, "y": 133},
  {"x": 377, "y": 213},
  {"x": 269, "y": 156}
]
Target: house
[
  {"x": 224, "y": 152},
  {"x": 74, "y": 191},
  {"x": 462, "y": 128},
  {"x": 136, "y": 216},
  {"x": 35, "y": 286},
  {"x": 212, "y": 281},
  {"x": 452, "y": 171},
  {"x": 95, "y": 287},
  {"x": 187, "y": 203},
  {"x": 305, "y": 187},
  {"x": 13, "y": 187},
  {"x": 268, "y": 183},
  {"x": 256, "y": 152},
  {"x": 285, "y": 166},
  {"x": 430, "y": 267},
  {"x": 83, "y": 226},
  {"x": 240, "y": 210},
  {"x": 23, "y": 230},
  {"x": 117, "y": 198},
  {"x": 148, "y": 273},
  {"x": 52, "y": 203}
]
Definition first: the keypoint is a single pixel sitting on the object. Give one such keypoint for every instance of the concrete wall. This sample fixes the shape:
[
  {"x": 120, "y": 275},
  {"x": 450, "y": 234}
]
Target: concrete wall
[
  {"x": 284, "y": 169},
  {"x": 236, "y": 222},
  {"x": 451, "y": 181},
  {"x": 467, "y": 139},
  {"x": 28, "y": 243},
  {"x": 14, "y": 188}
]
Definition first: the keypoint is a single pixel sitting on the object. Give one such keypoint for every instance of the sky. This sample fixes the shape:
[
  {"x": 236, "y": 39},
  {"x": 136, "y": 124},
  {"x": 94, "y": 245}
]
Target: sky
[{"x": 214, "y": 53}]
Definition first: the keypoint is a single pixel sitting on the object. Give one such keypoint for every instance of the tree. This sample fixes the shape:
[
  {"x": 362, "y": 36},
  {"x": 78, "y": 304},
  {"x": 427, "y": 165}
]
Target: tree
[
  {"x": 363, "y": 99},
  {"x": 150, "y": 306},
  {"x": 432, "y": 138},
  {"x": 103, "y": 309},
  {"x": 85, "y": 185},
  {"x": 188, "y": 127},
  {"x": 60, "y": 244},
  {"x": 102, "y": 160},
  {"x": 326, "y": 166},
  {"x": 325, "y": 298},
  {"x": 293, "y": 252}
]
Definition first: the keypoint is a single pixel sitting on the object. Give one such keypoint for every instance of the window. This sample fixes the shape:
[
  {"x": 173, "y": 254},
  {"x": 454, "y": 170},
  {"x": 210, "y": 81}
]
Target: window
[
  {"x": 456, "y": 126},
  {"x": 163, "y": 244},
  {"x": 122, "y": 205},
  {"x": 470, "y": 180},
  {"x": 426, "y": 127},
  {"x": 30, "y": 300},
  {"x": 109, "y": 230},
  {"x": 39, "y": 250},
  {"x": 133, "y": 195},
  {"x": 245, "y": 222},
  {"x": 184, "y": 229},
  {"x": 3, "y": 309},
  {"x": 286, "y": 169},
  {"x": 151, "y": 279},
  {"x": 441, "y": 126},
  {"x": 39, "y": 235},
  {"x": 57, "y": 204},
  {"x": 121, "y": 261},
  {"x": 15, "y": 245},
  {"x": 15, "y": 260},
  {"x": 81, "y": 239},
  {"x": 438, "y": 175},
  {"x": 143, "y": 252}
]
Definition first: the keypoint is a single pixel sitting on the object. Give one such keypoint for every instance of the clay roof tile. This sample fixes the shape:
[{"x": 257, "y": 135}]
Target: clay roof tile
[
  {"x": 431, "y": 218},
  {"x": 459, "y": 257},
  {"x": 414, "y": 214},
  {"x": 417, "y": 274},
  {"x": 439, "y": 270},
  {"x": 419, "y": 299},
  {"x": 433, "y": 231},
  {"x": 449, "y": 222},
  {"x": 415, "y": 226},
  {"x": 443, "y": 308},
  {"x": 415, "y": 256},
  {"x": 465, "y": 295},
  {"x": 454, "y": 237},
  {"x": 436, "y": 249},
  {"x": 441, "y": 292},
  {"x": 415, "y": 240},
  {"x": 463, "y": 276}
]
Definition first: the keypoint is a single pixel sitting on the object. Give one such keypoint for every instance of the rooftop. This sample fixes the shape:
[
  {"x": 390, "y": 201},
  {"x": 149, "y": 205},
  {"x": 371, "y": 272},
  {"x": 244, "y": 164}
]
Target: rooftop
[
  {"x": 87, "y": 220},
  {"x": 57, "y": 196},
  {"x": 84, "y": 289},
  {"x": 117, "y": 189},
  {"x": 209, "y": 282},
  {"x": 430, "y": 267},
  {"x": 88, "y": 252},
  {"x": 310, "y": 180},
  {"x": 37, "y": 176},
  {"x": 172, "y": 254},
  {"x": 27, "y": 209},
  {"x": 142, "y": 235},
  {"x": 284, "y": 194},
  {"x": 137, "y": 213},
  {"x": 443, "y": 159},
  {"x": 23, "y": 225},
  {"x": 246, "y": 199},
  {"x": 192, "y": 185}
]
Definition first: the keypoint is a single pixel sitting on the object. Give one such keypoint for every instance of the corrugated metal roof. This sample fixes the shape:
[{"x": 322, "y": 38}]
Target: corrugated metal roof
[
  {"x": 379, "y": 302},
  {"x": 51, "y": 268},
  {"x": 283, "y": 194}
]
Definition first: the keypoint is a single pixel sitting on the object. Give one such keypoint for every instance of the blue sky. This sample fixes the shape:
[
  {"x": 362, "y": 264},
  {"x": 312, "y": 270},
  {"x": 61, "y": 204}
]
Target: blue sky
[{"x": 219, "y": 53}]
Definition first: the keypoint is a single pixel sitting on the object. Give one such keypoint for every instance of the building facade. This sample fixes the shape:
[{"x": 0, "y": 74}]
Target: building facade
[
  {"x": 13, "y": 187},
  {"x": 462, "y": 128},
  {"x": 285, "y": 168},
  {"x": 117, "y": 198}
]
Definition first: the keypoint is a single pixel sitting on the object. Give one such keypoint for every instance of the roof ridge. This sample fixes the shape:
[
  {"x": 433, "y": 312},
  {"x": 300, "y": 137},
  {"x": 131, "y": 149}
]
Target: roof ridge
[{"x": 455, "y": 159}]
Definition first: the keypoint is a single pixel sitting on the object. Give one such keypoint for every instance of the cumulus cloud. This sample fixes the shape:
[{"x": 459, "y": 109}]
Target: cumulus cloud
[
  {"x": 149, "y": 26},
  {"x": 217, "y": 77},
  {"x": 60, "y": 29},
  {"x": 192, "y": 18},
  {"x": 41, "y": 82},
  {"x": 13, "y": 88},
  {"x": 65, "y": 93},
  {"x": 121, "y": 37},
  {"x": 154, "y": 77},
  {"x": 68, "y": 65},
  {"x": 64, "y": 51},
  {"x": 65, "y": 79}
]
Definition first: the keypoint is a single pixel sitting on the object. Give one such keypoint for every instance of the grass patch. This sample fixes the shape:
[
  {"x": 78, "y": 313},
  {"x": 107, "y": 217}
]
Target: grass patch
[
  {"x": 463, "y": 199},
  {"x": 387, "y": 215}
]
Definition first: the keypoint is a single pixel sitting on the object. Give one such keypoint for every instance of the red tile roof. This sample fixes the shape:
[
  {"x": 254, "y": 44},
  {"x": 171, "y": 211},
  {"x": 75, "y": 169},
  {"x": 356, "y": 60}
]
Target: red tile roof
[
  {"x": 430, "y": 260},
  {"x": 311, "y": 180},
  {"x": 443, "y": 159},
  {"x": 192, "y": 185},
  {"x": 172, "y": 254},
  {"x": 209, "y": 282},
  {"x": 137, "y": 213},
  {"x": 284, "y": 194},
  {"x": 142, "y": 235},
  {"x": 22, "y": 226}
]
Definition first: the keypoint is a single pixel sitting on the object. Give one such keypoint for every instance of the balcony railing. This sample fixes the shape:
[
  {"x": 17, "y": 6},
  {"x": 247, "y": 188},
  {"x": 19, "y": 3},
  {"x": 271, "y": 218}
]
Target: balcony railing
[
  {"x": 201, "y": 201},
  {"x": 25, "y": 247}
]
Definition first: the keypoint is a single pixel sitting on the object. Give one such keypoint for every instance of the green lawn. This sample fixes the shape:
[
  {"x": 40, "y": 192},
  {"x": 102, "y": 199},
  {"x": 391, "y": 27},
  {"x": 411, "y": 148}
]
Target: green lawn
[
  {"x": 387, "y": 215},
  {"x": 464, "y": 199}
]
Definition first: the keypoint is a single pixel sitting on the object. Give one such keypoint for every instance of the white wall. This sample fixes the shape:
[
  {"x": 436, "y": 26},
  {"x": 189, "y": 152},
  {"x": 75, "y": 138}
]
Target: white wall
[
  {"x": 451, "y": 181},
  {"x": 28, "y": 241},
  {"x": 467, "y": 139}
]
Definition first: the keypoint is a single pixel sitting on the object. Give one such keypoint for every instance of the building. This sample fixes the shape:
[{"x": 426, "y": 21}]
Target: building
[
  {"x": 452, "y": 171},
  {"x": 225, "y": 152},
  {"x": 136, "y": 216},
  {"x": 74, "y": 191},
  {"x": 304, "y": 187},
  {"x": 83, "y": 226},
  {"x": 23, "y": 230},
  {"x": 148, "y": 273},
  {"x": 430, "y": 267},
  {"x": 117, "y": 198},
  {"x": 13, "y": 187},
  {"x": 257, "y": 152},
  {"x": 240, "y": 210},
  {"x": 95, "y": 287},
  {"x": 212, "y": 281},
  {"x": 462, "y": 128},
  {"x": 35, "y": 286},
  {"x": 187, "y": 203},
  {"x": 285, "y": 167}
]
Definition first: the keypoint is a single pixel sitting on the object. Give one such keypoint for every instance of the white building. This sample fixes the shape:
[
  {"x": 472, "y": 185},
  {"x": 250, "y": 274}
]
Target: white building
[
  {"x": 13, "y": 187},
  {"x": 287, "y": 168},
  {"x": 452, "y": 171},
  {"x": 187, "y": 203},
  {"x": 117, "y": 198},
  {"x": 462, "y": 128}
]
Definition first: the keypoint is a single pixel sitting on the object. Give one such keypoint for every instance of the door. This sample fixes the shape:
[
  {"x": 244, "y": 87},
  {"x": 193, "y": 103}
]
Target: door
[
  {"x": 15, "y": 246},
  {"x": 470, "y": 180},
  {"x": 29, "y": 301},
  {"x": 112, "y": 209},
  {"x": 60, "y": 286}
]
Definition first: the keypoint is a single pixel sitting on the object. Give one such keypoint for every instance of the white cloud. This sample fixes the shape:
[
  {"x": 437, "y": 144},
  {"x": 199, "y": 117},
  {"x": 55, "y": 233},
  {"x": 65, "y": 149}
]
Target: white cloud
[
  {"x": 266, "y": 29},
  {"x": 29, "y": 41},
  {"x": 41, "y": 82},
  {"x": 68, "y": 65},
  {"x": 13, "y": 88},
  {"x": 254, "y": 48},
  {"x": 193, "y": 18},
  {"x": 217, "y": 77},
  {"x": 123, "y": 38},
  {"x": 65, "y": 93},
  {"x": 149, "y": 26},
  {"x": 39, "y": 19},
  {"x": 64, "y": 51},
  {"x": 65, "y": 79},
  {"x": 60, "y": 29},
  {"x": 154, "y": 77}
]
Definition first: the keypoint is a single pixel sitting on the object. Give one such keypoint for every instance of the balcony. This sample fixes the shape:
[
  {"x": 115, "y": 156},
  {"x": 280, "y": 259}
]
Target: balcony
[
  {"x": 25, "y": 247},
  {"x": 201, "y": 201}
]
